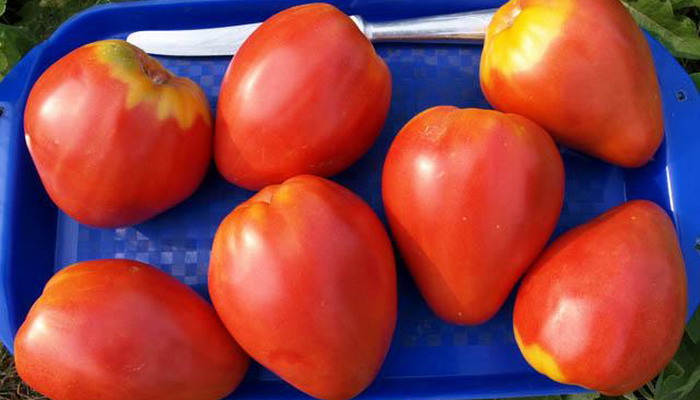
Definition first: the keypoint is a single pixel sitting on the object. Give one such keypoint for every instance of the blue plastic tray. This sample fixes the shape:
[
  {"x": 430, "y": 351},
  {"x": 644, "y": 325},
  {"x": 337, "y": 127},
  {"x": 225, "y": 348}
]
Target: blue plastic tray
[{"x": 428, "y": 358}]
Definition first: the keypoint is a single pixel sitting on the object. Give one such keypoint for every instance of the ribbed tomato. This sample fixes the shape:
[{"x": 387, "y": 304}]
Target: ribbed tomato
[
  {"x": 303, "y": 276},
  {"x": 116, "y": 138},
  {"x": 121, "y": 329},
  {"x": 305, "y": 94}
]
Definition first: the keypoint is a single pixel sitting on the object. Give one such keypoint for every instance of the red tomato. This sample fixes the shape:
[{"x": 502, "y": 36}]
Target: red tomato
[
  {"x": 579, "y": 68},
  {"x": 121, "y": 329},
  {"x": 472, "y": 197},
  {"x": 305, "y": 94},
  {"x": 115, "y": 137},
  {"x": 303, "y": 276},
  {"x": 605, "y": 305}
]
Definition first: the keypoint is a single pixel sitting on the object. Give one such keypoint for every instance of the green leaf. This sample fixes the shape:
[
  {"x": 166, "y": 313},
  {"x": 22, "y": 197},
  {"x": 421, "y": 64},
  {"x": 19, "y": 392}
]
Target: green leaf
[
  {"x": 582, "y": 396},
  {"x": 696, "y": 79},
  {"x": 44, "y": 16},
  {"x": 14, "y": 42},
  {"x": 537, "y": 398},
  {"x": 677, "y": 33},
  {"x": 678, "y": 4},
  {"x": 645, "y": 392},
  {"x": 680, "y": 380},
  {"x": 3, "y": 6},
  {"x": 693, "y": 327}
]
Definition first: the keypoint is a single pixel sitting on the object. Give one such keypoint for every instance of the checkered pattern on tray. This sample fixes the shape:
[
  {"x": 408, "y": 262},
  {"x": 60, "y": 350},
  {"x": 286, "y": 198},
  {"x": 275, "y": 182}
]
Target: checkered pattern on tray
[{"x": 179, "y": 240}]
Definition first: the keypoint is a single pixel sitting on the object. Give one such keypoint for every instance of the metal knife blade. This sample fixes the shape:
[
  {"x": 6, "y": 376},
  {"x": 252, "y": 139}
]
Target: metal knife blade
[
  {"x": 461, "y": 27},
  {"x": 223, "y": 41}
]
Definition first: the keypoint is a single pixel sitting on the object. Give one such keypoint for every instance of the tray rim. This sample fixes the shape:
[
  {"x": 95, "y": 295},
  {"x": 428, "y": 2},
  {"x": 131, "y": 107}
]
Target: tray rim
[{"x": 25, "y": 73}]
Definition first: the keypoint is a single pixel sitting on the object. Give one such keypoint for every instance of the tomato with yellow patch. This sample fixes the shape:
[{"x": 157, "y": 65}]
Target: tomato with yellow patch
[
  {"x": 604, "y": 307},
  {"x": 117, "y": 138},
  {"x": 472, "y": 197},
  {"x": 579, "y": 68}
]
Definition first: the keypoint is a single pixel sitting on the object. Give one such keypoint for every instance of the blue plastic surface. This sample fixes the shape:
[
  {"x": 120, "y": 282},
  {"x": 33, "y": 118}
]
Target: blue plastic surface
[{"x": 428, "y": 359}]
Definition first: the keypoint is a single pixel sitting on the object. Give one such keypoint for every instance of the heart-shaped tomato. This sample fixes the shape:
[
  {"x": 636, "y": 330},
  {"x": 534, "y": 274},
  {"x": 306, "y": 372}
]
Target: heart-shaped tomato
[
  {"x": 305, "y": 94},
  {"x": 604, "y": 307},
  {"x": 303, "y": 276},
  {"x": 472, "y": 197},
  {"x": 579, "y": 68}
]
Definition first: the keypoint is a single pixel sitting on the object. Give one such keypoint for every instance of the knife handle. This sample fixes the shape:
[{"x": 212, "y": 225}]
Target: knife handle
[{"x": 467, "y": 26}]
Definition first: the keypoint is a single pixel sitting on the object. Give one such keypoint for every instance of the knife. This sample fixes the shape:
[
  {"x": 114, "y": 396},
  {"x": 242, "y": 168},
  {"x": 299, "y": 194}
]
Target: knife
[{"x": 467, "y": 27}]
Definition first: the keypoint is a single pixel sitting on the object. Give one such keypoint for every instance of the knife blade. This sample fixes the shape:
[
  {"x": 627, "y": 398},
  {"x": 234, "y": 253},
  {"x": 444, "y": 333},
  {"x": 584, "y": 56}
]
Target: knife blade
[{"x": 469, "y": 27}]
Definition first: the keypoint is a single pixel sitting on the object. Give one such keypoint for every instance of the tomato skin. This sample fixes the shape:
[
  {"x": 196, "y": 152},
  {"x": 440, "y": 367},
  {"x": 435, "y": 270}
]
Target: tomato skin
[
  {"x": 115, "y": 137},
  {"x": 305, "y": 94},
  {"x": 121, "y": 329},
  {"x": 582, "y": 70},
  {"x": 604, "y": 307},
  {"x": 471, "y": 197},
  {"x": 303, "y": 276}
]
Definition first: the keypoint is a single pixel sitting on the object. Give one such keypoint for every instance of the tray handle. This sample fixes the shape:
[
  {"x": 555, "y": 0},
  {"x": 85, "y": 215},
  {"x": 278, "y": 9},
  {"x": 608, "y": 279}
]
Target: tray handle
[
  {"x": 13, "y": 90},
  {"x": 681, "y": 101}
]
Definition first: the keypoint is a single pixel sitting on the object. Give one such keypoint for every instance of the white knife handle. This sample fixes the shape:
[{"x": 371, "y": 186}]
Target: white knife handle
[{"x": 467, "y": 26}]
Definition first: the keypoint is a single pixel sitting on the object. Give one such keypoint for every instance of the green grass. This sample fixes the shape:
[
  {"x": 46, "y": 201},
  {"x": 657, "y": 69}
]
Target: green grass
[
  {"x": 24, "y": 23},
  {"x": 11, "y": 386}
]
